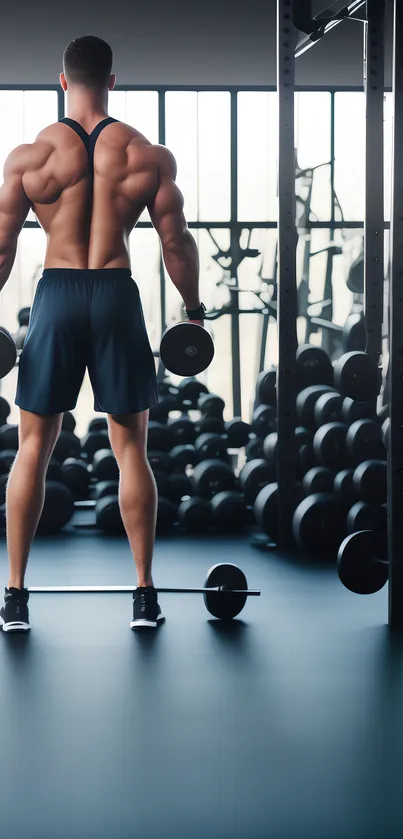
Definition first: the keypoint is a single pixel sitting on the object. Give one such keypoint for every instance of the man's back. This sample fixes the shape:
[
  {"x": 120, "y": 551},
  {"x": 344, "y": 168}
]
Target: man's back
[{"x": 88, "y": 219}]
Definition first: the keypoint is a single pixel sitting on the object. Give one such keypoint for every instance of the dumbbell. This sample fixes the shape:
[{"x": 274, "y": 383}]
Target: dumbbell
[
  {"x": 358, "y": 376},
  {"x": 254, "y": 449},
  {"x": 318, "y": 479},
  {"x": 306, "y": 459},
  {"x": 92, "y": 442},
  {"x": 5, "y": 410},
  {"x": 266, "y": 393},
  {"x": 313, "y": 367},
  {"x": 255, "y": 475},
  {"x": 210, "y": 446},
  {"x": 186, "y": 349},
  {"x": 343, "y": 487},
  {"x": 364, "y": 441},
  {"x": 264, "y": 420},
  {"x": 160, "y": 437},
  {"x": 211, "y": 405},
  {"x": 75, "y": 474},
  {"x": 229, "y": 510},
  {"x": 266, "y": 511},
  {"x": 362, "y": 562},
  {"x": 98, "y": 424},
  {"x": 8, "y": 352},
  {"x": 182, "y": 430},
  {"x": 330, "y": 446},
  {"x": 189, "y": 392},
  {"x": 182, "y": 457},
  {"x": 319, "y": 523},
  {"x": 363, "y": 516},
  {"x": 195, "y": 514},
  {"x": 211, "y": 477},
  {"x": 210, "y": 425},
  {"x": 306, "y": 403},
  {"x": 370, "y": 482},
  {"x": 238, "y": 433}
]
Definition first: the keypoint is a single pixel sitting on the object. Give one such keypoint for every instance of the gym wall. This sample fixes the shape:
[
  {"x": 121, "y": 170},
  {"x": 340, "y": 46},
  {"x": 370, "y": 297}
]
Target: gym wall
[{"x": 209, "y": 43}]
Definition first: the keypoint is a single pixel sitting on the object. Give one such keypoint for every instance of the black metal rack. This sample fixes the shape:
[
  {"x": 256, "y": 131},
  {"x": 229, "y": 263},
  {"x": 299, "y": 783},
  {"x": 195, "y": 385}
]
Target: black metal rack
[
  {"x": 395, "y": 452},
  {"x": 289, "y": 18}
]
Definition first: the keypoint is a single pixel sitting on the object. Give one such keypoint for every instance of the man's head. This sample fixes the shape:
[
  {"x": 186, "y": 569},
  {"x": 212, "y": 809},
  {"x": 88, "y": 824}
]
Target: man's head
[{"x": 87, "y": 63}]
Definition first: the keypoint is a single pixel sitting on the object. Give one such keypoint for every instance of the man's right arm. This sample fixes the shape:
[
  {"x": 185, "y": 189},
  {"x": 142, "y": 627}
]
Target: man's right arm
[{"x": 179, "y": 248}]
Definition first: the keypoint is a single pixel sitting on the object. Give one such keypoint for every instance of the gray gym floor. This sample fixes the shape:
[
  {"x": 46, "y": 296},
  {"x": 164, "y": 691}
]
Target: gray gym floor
[{"x": 288, "y": 723}]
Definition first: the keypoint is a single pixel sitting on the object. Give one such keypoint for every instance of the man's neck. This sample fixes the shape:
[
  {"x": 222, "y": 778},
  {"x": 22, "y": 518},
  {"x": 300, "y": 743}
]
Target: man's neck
[{"x": 87, "y": 109}]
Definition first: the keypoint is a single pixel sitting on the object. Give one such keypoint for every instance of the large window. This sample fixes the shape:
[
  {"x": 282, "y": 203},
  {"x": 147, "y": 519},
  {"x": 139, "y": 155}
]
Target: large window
[{"x": 225, "y": 144}]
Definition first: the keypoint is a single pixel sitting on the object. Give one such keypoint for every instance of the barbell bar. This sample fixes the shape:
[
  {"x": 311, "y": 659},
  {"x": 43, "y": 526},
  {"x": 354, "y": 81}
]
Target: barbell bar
[
  {"x": 225, "y": 590},
  {"x": 250, "y": 592}
]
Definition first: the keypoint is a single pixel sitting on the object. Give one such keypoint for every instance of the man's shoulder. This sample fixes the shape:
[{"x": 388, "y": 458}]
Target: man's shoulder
[
  {"x": 21, "y": 159},
  {"x": 162, "y": 159},
  {"x": 27, "y": 154}
]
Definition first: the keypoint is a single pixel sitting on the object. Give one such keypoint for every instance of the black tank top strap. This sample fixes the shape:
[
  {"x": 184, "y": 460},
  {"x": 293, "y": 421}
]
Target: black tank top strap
[{"x": 89, "y": 140}]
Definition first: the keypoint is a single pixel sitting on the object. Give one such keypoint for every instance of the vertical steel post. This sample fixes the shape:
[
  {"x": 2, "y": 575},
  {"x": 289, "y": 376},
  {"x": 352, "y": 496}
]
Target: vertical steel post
[
  {"x": 395, "y": 451},
  {"x": 374, "y": 58},
  {"x": 235, "y": 256},
  {"x": 287, "y": 312}
]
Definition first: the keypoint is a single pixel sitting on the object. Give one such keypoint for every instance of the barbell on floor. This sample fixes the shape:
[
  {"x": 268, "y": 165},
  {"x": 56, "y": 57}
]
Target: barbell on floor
[{"x": 225, "y": 590}]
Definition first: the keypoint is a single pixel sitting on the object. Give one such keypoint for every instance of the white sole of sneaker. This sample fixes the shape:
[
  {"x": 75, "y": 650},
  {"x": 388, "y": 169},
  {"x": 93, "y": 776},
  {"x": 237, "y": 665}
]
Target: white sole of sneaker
[
  {"x": 14, "y": 626},
  {"x": 144, "y": 624}
]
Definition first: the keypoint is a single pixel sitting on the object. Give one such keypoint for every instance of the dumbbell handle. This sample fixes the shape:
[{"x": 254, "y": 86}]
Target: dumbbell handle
[{"x": 219, "y": 589}]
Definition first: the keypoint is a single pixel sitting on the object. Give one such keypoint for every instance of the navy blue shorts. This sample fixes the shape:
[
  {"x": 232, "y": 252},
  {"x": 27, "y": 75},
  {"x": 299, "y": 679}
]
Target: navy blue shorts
[{"x": 88, "y": 319}]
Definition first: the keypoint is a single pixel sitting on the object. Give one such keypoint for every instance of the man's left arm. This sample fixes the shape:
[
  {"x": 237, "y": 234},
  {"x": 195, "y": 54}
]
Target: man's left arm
[{"x": 14, "y": 208}]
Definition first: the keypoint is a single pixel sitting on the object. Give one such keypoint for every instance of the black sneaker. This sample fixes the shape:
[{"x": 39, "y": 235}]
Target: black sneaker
[
  {"x": 146, "y": 611},
  {"x": 14, "y": 616}
]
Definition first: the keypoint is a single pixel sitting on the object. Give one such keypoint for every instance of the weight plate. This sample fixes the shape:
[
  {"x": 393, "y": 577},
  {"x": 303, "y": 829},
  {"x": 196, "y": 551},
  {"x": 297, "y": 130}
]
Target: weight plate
[
  {"x": 8, "y": 352},
  {"x": 362, "y": 516},
  {"x": 195, "y": 514},
  {"x": 190, "y": 390},
  {"x": 225, "y": 606},
  {"x": 344, "y": 487},
  {"x": 318, "y": 479},
  {"x": 353, "y": 336},
  {"x": 255, "y": 475},
  {"x": 357, "y": 564},
  {"x": 306, "y": 401},
  {"x": 364, "y": 442},
  {"x": 329, "y": 445},
  {"x": 328, "y": 409},
  {"x": 266, "y": 387},
  {"x": 186, "y": 349},
  {"x": 358, "y": 376},
  {"x": 313, "y": 367},
  {"x": 370, "y": 481},
  {"x": 319, "y": 525},
  {"x": 353, "y": 411},
  {"x": 212, "y": 476}
]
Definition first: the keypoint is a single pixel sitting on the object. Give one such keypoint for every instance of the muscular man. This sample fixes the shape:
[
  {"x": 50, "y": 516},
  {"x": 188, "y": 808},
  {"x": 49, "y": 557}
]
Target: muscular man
[{"x": 88, "y": 178}]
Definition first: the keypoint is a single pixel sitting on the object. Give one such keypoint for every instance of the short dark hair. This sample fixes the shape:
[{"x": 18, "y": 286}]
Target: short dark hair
[{"x": 87, "y": 61}]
